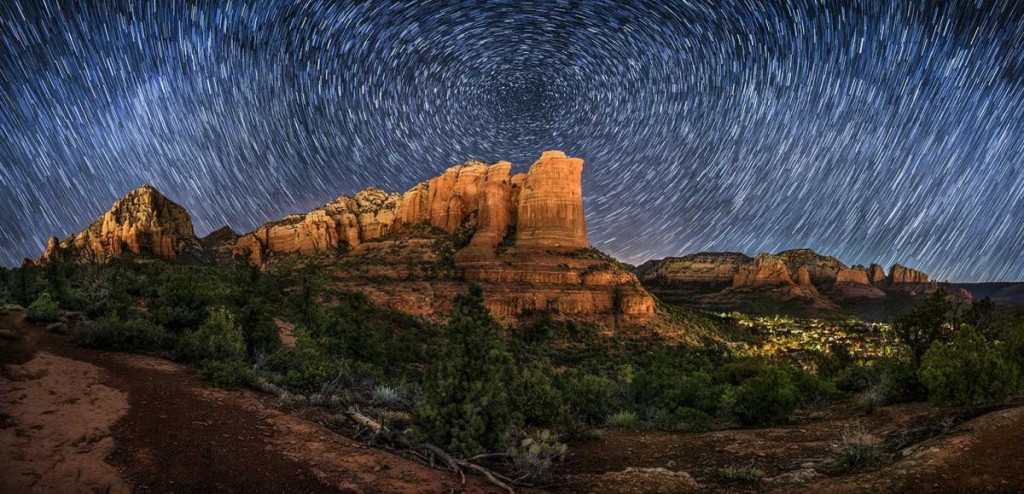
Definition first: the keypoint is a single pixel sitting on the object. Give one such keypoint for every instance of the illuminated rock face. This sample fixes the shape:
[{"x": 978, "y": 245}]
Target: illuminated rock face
[
  {"x": 901, "y": 274},
  {"x": 142, "y": 223},
  {"x": 856, "y": 275},
  {"x": 544, "y": 207},
  {"x": 521, "y": 237},
  {"x": 550, "y": 209}
]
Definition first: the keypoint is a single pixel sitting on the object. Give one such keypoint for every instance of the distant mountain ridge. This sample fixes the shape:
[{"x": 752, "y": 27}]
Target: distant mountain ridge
[{"x": 800, "y": 279}]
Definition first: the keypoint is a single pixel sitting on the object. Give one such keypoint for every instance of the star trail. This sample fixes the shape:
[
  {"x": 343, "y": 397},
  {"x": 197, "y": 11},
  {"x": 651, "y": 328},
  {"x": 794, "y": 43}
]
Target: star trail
[{"x": 870, "y": 130}]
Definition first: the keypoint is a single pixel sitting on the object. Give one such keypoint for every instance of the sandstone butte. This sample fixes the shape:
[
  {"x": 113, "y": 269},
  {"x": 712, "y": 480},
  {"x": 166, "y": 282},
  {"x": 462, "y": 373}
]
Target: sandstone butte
[{"x": 522, "y": 237}]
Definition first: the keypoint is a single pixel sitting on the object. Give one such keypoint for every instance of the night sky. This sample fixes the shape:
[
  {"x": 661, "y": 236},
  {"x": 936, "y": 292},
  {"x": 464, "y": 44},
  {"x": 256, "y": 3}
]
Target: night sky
[{"x": 870, "y": 130}]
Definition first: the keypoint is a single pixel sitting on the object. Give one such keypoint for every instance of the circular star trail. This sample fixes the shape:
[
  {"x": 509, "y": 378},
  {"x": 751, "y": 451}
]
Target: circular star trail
[{"x": 869, "y": 130}]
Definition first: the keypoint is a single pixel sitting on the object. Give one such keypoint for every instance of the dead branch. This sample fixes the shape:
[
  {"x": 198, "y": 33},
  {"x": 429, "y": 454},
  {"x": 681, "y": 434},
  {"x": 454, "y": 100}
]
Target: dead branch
[{"x": 430, "y": 451}]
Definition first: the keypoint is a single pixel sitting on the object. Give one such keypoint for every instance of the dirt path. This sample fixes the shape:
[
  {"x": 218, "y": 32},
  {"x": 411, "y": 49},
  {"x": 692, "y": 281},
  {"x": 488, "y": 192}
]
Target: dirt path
[{"x": 123, "y": 422}]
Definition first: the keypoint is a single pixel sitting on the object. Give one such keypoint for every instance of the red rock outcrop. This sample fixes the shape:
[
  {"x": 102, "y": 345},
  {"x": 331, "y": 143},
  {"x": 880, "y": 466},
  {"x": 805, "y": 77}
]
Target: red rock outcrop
[
  {"x": 820, "y": 282},
  {"x": 766, "y": 270},
  {"x": 550, "y": 209},
  {"x": 876, "y": 274},
  {"x": 143, "y": 223},
  {"x": 522, "y": 237},
  {"x": 901, "y": 274},
  {"x": 856, "y": 275},
  {"x": 823, "y": 269},
  {"x": 712, "y": 268}
]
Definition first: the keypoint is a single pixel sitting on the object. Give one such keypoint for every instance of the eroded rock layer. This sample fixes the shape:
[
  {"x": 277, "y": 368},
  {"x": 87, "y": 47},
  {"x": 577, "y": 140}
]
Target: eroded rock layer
[
  {"x": 521, "y": 237},
  {"x": 142, "y": 223},
  {"x": 800, "y": 275}
]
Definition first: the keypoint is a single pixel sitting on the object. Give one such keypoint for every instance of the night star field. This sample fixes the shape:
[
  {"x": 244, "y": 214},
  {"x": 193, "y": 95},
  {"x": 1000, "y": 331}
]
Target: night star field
[{"x": 874, "y": 131}]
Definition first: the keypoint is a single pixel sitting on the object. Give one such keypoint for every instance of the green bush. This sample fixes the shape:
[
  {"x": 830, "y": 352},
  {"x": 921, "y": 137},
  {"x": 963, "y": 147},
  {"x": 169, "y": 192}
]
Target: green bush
[
  {"x": 813, "y": 389},
  {"x": 536, "y": 397},
  {"x": 768, "y": 398},
  {"x": 468, "y": 407},
  {"x": 112, "y": 333},
  {"x": 219, "y": 338},
  {"x": 967, "y": 371},
  {"x": 590, "y": 397},
  {"x": 225, "y": 374},
  {"x": 44, "y": 309},
  {"x": 672, "y": 389},
  {"x": 898, "y": 380},
  {"x": 684, "y": 419},
  {"x": 625, "y": 419}
]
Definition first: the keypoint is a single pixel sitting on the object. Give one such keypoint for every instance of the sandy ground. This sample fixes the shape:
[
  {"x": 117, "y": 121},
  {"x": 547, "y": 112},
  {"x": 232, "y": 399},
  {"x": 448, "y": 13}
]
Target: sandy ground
[
  {"x": 89, "y": 421},
  {"x": 56, "y": 431}
]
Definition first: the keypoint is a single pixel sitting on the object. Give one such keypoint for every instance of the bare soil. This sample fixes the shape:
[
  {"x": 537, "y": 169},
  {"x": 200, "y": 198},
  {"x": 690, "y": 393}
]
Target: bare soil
[{"x": 79, "y": 420}]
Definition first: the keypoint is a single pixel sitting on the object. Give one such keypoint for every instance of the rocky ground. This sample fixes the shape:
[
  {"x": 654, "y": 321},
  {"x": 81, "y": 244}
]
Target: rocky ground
[{"x": 77, "y": 420}]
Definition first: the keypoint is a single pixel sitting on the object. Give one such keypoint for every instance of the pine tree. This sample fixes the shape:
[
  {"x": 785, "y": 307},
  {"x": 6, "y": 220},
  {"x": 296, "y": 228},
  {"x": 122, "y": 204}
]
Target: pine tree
[{"x": 468, "y": 404}]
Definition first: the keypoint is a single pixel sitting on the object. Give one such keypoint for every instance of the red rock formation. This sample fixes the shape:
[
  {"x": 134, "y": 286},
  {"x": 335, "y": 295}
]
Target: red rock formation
[
  {"x": 529, "y": 248},
  {"x": 766, "y": 270},
  {"x": 710, "y": 268},
  {"x": 823, "y": 269},
  {"x": 143, "y": 223},
  {"x": 856, "y": 275},
  {"x": 345, "y": 221},
  {"x": 901, "y": 274},
  {"x": 550, "y": 209},
  {"x": 876, "y": 274}
]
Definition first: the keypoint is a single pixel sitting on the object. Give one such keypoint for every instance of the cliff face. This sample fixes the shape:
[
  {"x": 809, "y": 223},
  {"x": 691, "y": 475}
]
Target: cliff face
[
  {"x": 712, "y": 268},
  {"x": 143, "y": 223},
  {"x": 521, "y": 237},
  {"x": 901, "y": 274},
  {"x": 817, "y": 281}
]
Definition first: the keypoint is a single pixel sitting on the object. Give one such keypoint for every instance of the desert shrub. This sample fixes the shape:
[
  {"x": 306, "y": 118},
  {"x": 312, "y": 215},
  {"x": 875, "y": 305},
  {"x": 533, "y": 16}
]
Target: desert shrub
[
  {"x": 44, "y": 309},
  {"x": 671, "y": 389},
  {"x": 468, "y": 405},
  {"x": 967, "y": 371},
  {"x": 590, "y": 397},
  {"x": 856, "y": 451},
  {"x": 738, "y": 372},
  {"x": 547, "y": 328},
  {"x": 871, "y": 399},
  {"x": 767, "y": 398},
  {"x": 682, "y": 419},
  {"x": 177, "y": 304},
  {"x": 898, "y": 380},
  {"x": 625, "y": 419},
  {"x": 748, "y": 474},
  {"x": 307, "y": 368},
  {"x": 225, "y": 374},
  {"x": 219, "y": 338},
  {"x": 536, "y": 397},
  {"x": 389, "y": 396},
  {"x": 813, "y": 389},
  {"x": 113, "y": 333},
  {"x": 533, "y": 454}
]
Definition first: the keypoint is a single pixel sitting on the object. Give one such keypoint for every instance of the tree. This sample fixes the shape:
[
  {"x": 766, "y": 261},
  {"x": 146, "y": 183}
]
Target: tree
[
  {"x": 250, "y": 309},
  {"x": 967, "y": 371},
  {"x": 219, "y": 338},
  {"x": 467, "y": 386},
  {"x": 768, "y": 398},
  {"x": 981, "y": 316},
  {"x": 924, "y": 325}
]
